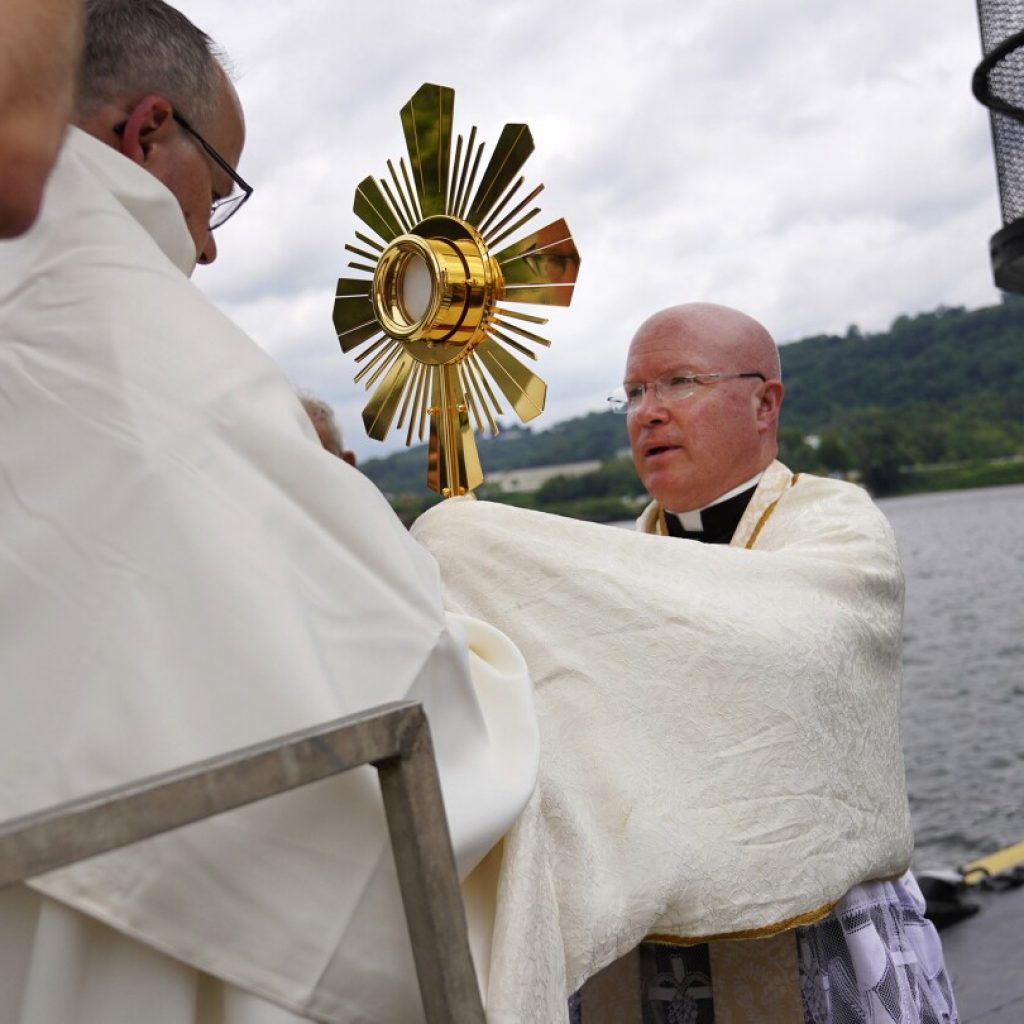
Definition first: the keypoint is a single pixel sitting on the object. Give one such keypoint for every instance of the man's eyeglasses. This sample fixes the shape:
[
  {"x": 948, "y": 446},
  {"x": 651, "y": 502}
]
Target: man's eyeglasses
[
  {"x": 673, "y": 387},
  {"x": 223, "y": 209},
  {"x": 226, "y": 207}
]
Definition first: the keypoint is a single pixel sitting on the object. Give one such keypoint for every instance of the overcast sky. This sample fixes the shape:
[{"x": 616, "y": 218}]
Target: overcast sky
[{"x": 815, "y": 163}]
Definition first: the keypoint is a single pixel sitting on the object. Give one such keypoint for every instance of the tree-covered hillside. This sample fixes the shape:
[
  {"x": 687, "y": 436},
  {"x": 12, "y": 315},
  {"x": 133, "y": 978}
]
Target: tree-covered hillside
[
  {"x": 936, "y": 389},
  {"x": 595, "y": 436},
  {"x": 942, "y": 387},
  {"x": 947, "y": 361}
]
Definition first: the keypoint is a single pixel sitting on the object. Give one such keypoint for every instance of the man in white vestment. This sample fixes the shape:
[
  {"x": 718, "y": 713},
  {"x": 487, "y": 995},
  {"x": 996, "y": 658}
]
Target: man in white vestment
[
  {"x": 702, "y": 393},
  {"x": 719, "y": 706},
  {"x": 184, "y": 571}
]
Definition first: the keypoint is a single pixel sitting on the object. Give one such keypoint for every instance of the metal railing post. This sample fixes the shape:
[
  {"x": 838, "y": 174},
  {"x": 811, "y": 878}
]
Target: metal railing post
[
  {"x": 394, "y": 738},
  {"x": 430, "y": 887}
]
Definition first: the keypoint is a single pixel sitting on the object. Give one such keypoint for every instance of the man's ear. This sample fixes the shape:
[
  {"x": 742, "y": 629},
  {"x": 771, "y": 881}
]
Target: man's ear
[
  {"x": 770, "y": 402},
  {"x": 149, "y": 124}
]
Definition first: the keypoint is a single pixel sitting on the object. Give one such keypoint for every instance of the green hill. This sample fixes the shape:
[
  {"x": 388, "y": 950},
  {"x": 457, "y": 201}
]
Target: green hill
[
  {"x": 943, "y": 390},
  {"x": 595, "y": 436},
  {"x": 947, "y": 361},
  {"x": 940, "y": 388}
]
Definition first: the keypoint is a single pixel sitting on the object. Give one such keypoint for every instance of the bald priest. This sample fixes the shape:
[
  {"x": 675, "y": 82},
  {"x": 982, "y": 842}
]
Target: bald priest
[{"x": 721, "y": 820}]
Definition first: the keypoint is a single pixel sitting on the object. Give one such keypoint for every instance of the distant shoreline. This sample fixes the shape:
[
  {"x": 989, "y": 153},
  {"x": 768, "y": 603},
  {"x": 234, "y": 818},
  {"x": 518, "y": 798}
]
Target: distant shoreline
[{"x": 616, "y": 511}]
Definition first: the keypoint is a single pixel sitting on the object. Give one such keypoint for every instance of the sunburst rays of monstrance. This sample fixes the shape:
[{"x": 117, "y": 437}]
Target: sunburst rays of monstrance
[{"x": 437, "y": 338}]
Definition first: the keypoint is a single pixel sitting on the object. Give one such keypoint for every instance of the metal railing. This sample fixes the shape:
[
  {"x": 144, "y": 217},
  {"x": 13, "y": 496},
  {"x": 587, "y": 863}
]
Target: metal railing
[{"x": 393, "y": 738}]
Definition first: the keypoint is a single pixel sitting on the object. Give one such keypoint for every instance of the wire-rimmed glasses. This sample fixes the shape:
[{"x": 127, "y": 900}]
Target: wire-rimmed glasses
[
  {"x": 223, "y": 209},
  {"x": 673, "y": 387}
]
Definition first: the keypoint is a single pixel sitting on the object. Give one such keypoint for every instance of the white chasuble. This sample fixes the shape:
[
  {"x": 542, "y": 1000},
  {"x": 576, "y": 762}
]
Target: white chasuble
[
  {"x": 184, "y": 571},
  {"x": 720, "y": 746}
]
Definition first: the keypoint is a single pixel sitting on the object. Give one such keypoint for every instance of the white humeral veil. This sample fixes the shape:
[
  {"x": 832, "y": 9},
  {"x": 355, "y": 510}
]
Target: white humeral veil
[
  {"x": 720, "y": 748},
  {"x": 184, "y": 571}
]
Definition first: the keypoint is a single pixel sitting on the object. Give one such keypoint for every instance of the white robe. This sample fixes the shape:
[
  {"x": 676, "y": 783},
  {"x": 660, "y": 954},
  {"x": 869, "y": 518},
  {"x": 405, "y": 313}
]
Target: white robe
[
  {"x": 720, "y": 748},
  {"x": 184, "y": 571}
]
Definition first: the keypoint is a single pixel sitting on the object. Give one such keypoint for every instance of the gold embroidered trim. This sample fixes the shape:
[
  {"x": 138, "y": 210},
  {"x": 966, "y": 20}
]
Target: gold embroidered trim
[
  {"x": 749, "y": 933},
  {"x": 766, "y": 514},
  {"x": 772, "y": 929}
]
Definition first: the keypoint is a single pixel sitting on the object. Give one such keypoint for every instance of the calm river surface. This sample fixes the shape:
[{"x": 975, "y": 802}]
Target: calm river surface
[{"x": 963, "y": 695}]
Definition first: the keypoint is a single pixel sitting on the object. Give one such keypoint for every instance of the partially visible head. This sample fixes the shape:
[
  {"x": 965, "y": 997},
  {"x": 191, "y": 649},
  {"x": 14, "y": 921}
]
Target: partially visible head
[
  {"x": 321, "y": 415},
  {"x": 690, "y": 452},
  {"x": 144, "y": 62}
]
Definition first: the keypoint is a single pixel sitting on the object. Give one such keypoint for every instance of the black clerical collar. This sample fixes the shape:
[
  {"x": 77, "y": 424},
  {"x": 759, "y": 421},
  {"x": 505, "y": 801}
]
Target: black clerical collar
[{"x": 717, "y": 522}]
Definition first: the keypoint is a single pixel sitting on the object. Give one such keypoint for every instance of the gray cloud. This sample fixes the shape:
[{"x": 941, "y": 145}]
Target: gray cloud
[{"x": 816, "y": 164}]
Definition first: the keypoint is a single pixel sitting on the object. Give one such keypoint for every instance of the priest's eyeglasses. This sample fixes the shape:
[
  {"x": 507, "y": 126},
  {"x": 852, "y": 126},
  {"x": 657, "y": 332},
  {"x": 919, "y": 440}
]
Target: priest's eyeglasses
[
  {"x": 224, "y": 208},
  {"x": 672, "y": 388}
]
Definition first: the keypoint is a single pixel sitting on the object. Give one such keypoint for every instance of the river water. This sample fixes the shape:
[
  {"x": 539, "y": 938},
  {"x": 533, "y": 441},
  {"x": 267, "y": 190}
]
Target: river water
[{"x": 963, "y": 696}]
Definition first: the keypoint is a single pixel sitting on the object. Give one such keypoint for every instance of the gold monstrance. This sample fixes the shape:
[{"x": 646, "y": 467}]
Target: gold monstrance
[{"x": 435, "y": 337}]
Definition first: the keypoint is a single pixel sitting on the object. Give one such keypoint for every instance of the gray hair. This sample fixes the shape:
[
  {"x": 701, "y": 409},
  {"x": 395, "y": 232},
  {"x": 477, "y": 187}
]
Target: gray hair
[
  {"x": 322, "y": 416},
  {"x": 137, "y": 47}
]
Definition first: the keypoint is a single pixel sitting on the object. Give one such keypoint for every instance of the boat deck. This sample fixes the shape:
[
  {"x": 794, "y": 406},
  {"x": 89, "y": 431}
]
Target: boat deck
[{"x": 985, "y": 958}]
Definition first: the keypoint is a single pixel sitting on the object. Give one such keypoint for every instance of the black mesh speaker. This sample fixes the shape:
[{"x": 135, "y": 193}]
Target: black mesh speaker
[{"x": 999, "y": 84}]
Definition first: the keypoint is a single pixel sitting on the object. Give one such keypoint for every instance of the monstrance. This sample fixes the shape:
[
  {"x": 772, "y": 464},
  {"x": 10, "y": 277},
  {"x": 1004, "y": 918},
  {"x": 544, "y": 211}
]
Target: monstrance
[{"x": 436, "y": 335}]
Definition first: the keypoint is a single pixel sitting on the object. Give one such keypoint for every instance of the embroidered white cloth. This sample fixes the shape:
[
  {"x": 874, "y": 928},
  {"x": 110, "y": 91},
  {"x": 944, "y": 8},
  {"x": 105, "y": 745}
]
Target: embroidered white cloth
[
  {"x": 720, "y": 745},
  {"x": 184, "y": 571}
]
